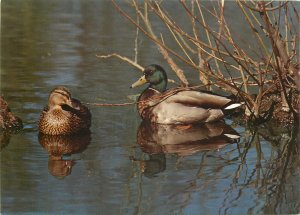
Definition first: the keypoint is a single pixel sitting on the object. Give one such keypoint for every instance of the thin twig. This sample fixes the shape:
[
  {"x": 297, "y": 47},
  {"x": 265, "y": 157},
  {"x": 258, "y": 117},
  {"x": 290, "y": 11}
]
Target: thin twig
[
  {"x": 174, "y": 35},
  {"x": 266, "y": 9},
  {"x": 122, "y": 58},
  {"x": 220, "y": 42},
  {"x": 136, "y": 41},
  {"x": 208, "y": 37},
  {"x": 163, "y": 48},
  {"x": 110, "y": 105},
  {"x": 253, "y": 28}
]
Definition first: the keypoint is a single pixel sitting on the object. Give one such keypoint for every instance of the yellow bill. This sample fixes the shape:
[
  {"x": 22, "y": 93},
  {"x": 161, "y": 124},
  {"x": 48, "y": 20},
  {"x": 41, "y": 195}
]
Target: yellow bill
[{"x": 140, "y": 82}]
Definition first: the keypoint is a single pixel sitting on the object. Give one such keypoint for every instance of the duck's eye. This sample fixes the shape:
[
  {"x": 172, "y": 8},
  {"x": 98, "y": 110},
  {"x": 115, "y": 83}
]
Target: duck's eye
[{"x": 149, "y": 73}]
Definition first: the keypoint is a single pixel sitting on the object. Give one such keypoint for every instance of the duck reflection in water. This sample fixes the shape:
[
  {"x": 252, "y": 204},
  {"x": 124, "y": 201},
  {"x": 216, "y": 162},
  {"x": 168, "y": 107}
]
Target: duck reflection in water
[
  {"x": 60, "y": 149},
  {"x": 183, "y": 140},
  {"x": 4, "y": 139}
]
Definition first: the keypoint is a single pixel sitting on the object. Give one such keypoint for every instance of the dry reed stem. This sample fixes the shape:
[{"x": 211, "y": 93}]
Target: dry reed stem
[
  {"x": 254, "y": 30},
  {"x": 136, "y": 41},
  {"x": 131, "y": 62},
  {"x": 215, "y": 36},
  {"x": 202, "y": 61},
  {"x": 252, "y": 72},
  {"x": 281, "y": 57},
  {"x": 228, "y": 85},
  {"x": 174, "y": 35},
  {"x": 245, "y": 84},
  {"x": 161, "y": 46},
  {"x": 287, "y": 27},
  {"x": 122, "y": 58},
  {"x": 198, "y": 43},
  {"x": 208, "y": 38},
  {"x": 263, "y": 10}
]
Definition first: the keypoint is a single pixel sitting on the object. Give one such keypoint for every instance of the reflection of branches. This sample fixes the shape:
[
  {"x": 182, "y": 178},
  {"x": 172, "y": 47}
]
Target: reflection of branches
[
  {"x": 270, "y": 176},
  {"x": 282, "y": 169},
  {"x": 234, "y": 184}
]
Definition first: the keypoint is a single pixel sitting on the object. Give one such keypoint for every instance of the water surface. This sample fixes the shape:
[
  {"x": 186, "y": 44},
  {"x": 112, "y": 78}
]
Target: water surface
[{"x": 50, "y": 43}]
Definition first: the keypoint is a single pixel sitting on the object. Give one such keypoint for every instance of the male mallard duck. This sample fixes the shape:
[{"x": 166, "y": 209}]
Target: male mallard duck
[
  {"x": 178, "y": 105},
  {"x": 64, "y": 115}
]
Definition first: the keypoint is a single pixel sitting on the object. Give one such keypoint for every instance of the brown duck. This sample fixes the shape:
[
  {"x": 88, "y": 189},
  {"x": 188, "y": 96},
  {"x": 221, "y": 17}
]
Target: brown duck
[
  {"x": 8, "y": 121},
  {"x": 178, "y": 105},
  {"x": 64, "y": 115}
]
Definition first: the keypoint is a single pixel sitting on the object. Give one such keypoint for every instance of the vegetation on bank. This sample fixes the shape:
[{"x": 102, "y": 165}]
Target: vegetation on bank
[{"x": 265, "y": 77}]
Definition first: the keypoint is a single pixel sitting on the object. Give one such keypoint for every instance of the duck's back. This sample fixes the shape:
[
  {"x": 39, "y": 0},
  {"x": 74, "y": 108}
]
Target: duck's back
[
  {"x": 182, "y": 106},
  {"x": 83, "y": 112},
  {"x": 64, "y": 122}
]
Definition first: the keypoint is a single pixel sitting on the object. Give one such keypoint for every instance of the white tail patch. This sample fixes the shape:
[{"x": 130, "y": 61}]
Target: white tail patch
[
  {"x": 232, "y": 136},
  {"x": 233, "y": 106}
]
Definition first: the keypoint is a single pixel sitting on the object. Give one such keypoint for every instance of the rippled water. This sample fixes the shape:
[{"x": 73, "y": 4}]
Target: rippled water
[{"x": 118, "y": 168}]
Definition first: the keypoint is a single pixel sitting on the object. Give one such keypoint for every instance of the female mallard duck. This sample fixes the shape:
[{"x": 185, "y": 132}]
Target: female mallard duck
[
  {"x": 8, "y": 121},
  {"x": 179, "y": 105},
  {"x": 64, "y": 115}
]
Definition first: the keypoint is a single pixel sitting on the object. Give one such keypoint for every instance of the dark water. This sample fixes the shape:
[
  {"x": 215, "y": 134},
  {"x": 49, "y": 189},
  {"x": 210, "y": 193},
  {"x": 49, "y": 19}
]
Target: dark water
[{"x": 113, "y": 170}]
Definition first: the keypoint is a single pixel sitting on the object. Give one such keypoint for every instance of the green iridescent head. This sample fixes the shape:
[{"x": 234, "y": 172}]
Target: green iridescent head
[{"x": 155, "y": 75}]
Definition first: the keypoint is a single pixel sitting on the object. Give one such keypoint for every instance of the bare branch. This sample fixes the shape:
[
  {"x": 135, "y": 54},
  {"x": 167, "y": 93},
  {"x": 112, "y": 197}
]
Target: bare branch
[
  {"x": 162, "y": 47},
  {"x": 257, "y": 9},
  {"x": 122, "y": 58}
]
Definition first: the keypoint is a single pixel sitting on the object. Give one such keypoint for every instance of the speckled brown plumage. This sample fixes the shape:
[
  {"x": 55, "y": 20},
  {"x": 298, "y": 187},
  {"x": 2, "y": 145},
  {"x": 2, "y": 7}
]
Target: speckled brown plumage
[
  {"x": 8, "y": 121},
  {"x": 64, "y": 115}
]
